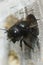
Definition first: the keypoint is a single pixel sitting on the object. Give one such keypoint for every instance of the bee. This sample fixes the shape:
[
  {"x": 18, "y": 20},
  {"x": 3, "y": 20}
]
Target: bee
[{"x": 23, "y": 30}]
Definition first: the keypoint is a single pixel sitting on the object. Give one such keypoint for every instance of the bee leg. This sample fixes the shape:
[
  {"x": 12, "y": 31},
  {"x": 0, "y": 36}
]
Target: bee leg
[
  {"x": 21, "y": 43},
  {"x": 27, "y": 44},
  {"x": 38, "y": 45}
]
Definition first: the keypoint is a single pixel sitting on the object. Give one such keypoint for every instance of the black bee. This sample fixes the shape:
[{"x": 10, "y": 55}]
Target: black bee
[{"x": 23, "y": 30}]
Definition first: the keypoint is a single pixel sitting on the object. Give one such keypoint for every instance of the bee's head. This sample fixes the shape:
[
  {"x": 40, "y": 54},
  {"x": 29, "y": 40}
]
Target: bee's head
[
  {"x": 14, "y": 33},
  {"x": 10, "y": 21}
]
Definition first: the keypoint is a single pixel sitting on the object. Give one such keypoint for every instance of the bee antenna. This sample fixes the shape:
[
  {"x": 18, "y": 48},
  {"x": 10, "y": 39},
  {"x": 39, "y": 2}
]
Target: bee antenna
[
  {"x": 4, "y": 30},
  {"x": 37, "y": 19}
]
